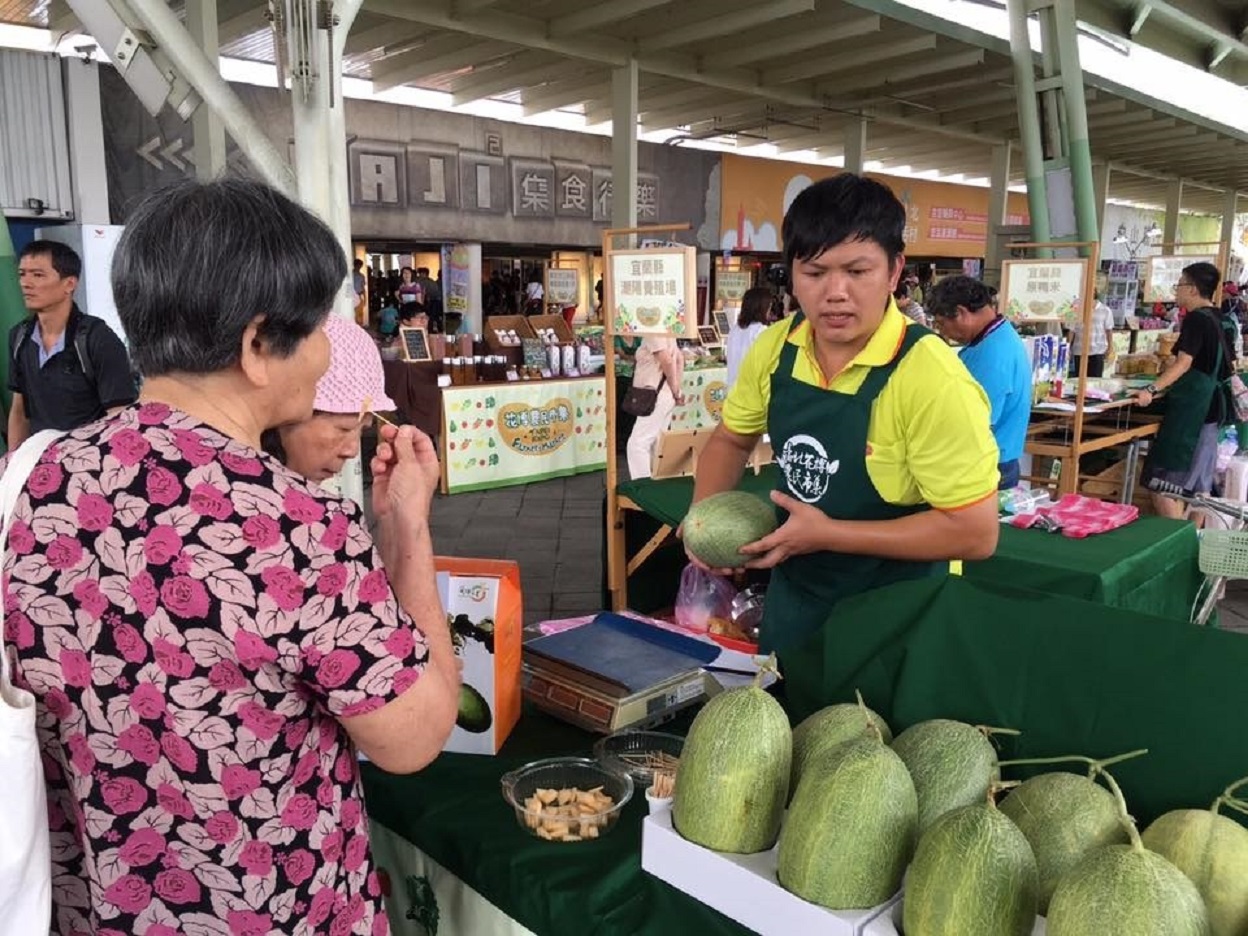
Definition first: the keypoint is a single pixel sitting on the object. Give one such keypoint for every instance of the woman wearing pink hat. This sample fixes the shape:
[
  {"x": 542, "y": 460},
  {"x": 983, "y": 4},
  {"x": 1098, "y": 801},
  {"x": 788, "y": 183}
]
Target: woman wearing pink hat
[{"x": 351, "y": 389}]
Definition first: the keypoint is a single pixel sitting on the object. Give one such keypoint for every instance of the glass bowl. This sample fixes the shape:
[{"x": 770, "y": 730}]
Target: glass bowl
[
  {"x": 520, "y": 786},
  {"x": 620, "y": 751}
]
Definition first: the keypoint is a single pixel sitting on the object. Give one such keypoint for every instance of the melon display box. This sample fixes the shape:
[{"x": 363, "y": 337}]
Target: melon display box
[
  {"x": 743, "y": 887},
  {"x": 889, "y": 923},
  {"x": 482, "y": 601}
]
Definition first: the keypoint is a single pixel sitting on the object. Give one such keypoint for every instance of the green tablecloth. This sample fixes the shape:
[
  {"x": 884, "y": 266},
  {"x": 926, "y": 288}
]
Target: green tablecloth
[
  {"x": 1148, "y": 566},
  {"x": 1073, "y": 676},
  {"x": 668, "y": 499},
  {"x": 455, "y": 813}
]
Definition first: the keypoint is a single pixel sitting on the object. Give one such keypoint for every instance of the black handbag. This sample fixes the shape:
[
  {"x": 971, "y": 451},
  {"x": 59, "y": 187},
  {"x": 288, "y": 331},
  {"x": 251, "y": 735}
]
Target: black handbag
[{"x": 640, "y": 401}]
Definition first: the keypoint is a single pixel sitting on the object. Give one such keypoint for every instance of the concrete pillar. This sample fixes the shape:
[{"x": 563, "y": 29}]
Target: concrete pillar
[
  {"x": 1029, "y": 120},
  {"x": 1101, "y": 173},
  {"x": 1078, "y": 146},
  {"x": 855, "y": 146},
  {"x": 1229, "y": 204},
  {"x": 86, "y": 141},
  {"x": 206, "y": 126},
  {"x": 998, "y": 207},
  {"x": 1174, "y": 201},
  {"x": 624, "y": 145}
]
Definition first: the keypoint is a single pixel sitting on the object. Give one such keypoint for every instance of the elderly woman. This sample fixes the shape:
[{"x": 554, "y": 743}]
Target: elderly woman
[{"x": 210, "y": 637}]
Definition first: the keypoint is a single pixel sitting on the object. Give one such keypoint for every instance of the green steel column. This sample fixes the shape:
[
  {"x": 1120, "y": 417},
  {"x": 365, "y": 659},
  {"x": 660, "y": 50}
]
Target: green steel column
[
  {"x": 1079, "y": 148},
  {"x": 12, "y": 308},
  {"x": 1029, "y": 121}
]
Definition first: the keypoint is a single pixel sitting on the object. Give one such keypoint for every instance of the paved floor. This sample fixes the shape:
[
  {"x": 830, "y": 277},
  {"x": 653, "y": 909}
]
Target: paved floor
[{"x": 555, "y": 531}]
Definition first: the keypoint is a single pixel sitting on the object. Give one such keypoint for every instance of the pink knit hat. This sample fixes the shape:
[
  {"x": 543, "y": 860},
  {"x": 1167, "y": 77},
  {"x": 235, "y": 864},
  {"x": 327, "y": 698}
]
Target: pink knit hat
[{"x": 355, "y": 375}]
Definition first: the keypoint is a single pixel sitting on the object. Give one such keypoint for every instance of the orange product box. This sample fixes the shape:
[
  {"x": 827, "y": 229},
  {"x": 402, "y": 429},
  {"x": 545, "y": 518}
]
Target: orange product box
[{"x": 484, "y": 611}]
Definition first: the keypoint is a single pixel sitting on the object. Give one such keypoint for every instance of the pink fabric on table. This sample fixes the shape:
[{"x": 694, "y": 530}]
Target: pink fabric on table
[
  {"x": 565, "y": 624},
  {"x": 1079, "y": 516}
]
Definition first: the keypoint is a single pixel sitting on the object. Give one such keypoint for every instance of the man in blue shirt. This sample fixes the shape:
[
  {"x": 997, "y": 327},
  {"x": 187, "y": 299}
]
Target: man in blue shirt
[{"x": 963, "y": 311}]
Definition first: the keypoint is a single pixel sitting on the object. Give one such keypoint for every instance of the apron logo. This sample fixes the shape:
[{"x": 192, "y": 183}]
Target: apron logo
[{"x": 807, "y": 468}]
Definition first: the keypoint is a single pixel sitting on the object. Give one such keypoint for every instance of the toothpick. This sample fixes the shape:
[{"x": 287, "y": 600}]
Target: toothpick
[{"x": 367, "y": 410}]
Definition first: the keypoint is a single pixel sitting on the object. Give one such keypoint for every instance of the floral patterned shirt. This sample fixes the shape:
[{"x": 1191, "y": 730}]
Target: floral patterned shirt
[{"x": 192, "y": 618}]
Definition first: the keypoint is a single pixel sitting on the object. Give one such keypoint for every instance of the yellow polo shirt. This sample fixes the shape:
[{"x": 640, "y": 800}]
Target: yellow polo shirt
[{"x": 929, "y": 440}]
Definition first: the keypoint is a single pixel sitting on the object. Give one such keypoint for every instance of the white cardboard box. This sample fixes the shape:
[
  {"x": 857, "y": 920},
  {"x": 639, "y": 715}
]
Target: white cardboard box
[
  {"x": 889, "y": 923},
  {"x": 742, "y": 887}
]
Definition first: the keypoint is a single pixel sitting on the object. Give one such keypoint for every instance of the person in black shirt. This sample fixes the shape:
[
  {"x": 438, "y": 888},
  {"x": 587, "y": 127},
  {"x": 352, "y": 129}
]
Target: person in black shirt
[
  {"x": 1185, "y": 450},
  {"x": 66, "y": 368}
]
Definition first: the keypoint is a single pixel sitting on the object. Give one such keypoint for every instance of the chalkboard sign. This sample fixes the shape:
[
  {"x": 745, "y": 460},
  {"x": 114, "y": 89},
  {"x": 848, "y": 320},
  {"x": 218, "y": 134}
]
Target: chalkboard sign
[
  {"x": 415, "y": 344},
  {"x": 534, "y": 352},
  {"x": 721, "y": 323},
  {"x": 709, "y": 336}
]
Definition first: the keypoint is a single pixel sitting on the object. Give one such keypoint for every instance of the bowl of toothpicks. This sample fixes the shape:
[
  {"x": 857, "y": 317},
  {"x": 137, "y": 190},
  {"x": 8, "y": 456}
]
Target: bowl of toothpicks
[{"x": 649, "y": 757}]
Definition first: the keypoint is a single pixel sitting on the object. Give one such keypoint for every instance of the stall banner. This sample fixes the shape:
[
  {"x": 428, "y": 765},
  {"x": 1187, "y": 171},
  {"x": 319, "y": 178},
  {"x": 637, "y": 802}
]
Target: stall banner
[
  {"x": 654, "y": 292},
  {"x": 424, "y": 899},
  {"x": 704, "y": 392},
  {"x": 563, "y": 287},
  {"x": 731, "y": 286},
  {"x": 482, "y": 601},
  {"x": 1161, "y": 274},
  {"x": 943, "y": 219},
  {"x": 523, "y": 432},
  {"x": 458, "y": 280},
  {"x": 1040, "y": 290}
]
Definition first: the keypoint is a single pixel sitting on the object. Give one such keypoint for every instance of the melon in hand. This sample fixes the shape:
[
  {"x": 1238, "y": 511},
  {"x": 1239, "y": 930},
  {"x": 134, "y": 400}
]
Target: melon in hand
[{"x": 718, "y": 526}]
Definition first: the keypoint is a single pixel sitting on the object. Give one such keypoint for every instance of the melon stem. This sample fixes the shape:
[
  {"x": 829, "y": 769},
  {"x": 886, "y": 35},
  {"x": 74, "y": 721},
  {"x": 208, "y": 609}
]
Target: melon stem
[
  {"x": 768, "y": 665},
  {"x": 872, "y": 727},
  {"x": 1236, "y": 804},
  {"x": 989, "y": 730}
]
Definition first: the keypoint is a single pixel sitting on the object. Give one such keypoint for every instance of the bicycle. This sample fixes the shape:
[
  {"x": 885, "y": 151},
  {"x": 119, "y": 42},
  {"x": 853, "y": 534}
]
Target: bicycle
[{"x": 1223, "y": 553}]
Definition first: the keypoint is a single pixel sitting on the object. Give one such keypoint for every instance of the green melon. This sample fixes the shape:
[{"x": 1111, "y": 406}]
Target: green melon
[
  {"x": 1212, "y": 850},
  {"x": 1064, "y": 816},
  {"x": 973, "y": 873},
  {"x": 851, "y": 827},
  {"x": 716, "y": 527},
  {"x": 733, "y": 778},
  {"x": 827, "y": 728},
  {"x": 953, "y": 764},
  {"x": 1129, "y": 890}
]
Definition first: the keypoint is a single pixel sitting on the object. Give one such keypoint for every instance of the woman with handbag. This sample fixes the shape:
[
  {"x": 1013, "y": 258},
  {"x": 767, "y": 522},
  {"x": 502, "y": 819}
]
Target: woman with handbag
[
  {"x": 658, "y": 369},
  {"x": 211, "y": 639}
]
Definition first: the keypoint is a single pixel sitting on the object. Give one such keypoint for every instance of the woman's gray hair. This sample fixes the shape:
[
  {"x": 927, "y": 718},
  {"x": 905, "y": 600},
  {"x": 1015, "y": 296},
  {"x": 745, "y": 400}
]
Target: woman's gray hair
[{"x": 198, "y": 262}]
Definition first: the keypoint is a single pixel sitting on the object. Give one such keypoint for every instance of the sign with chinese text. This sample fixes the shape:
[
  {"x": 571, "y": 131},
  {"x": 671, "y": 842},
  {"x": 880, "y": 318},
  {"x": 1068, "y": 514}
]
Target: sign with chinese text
[
  {"x": 1039, "y": 290},
  {"x": 731, "y": 286},
  {"x": 1161, "y": 275},
  {"x": 523, "y": 432},
  {"x": 458, "y": 280},
  {"x": 563, "y": 286},
  {"x": 654, "y": 292}
]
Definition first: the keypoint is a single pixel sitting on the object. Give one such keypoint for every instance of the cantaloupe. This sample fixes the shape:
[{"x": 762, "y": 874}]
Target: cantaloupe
[
  {"x": 1064, "y": 816},
  {"x": 827, "y": 728},
  {"x": 716, "y": 527},
  {"x": 851, "y": 827},
  {"x": 973, "y": 873},
  {"x": 1212, "y": 850},
  {"x": 953, "y": 764},
  {"x": 733, "y": 777}
]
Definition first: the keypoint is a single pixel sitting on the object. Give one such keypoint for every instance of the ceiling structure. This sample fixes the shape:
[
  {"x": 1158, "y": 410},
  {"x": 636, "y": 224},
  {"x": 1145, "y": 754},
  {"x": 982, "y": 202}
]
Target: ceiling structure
[{"x": 794, "y": 73}]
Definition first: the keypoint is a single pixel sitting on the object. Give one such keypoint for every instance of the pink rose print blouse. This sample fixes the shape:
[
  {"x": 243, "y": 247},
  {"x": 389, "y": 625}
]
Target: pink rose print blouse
[{"x": 191, "y": 617}]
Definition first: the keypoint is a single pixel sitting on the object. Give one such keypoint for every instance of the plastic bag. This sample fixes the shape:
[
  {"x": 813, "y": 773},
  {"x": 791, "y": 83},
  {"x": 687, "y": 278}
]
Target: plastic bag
[{"x": 702, "y": 595}]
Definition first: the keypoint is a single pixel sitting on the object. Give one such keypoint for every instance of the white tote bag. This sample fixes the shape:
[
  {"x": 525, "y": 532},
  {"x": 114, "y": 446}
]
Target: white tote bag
[{"x": 25, "y": 864}]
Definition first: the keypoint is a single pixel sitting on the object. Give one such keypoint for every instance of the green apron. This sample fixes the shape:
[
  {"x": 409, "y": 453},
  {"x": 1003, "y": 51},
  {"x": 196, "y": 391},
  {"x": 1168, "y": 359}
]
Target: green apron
[
  {"x": 820, "y": 442},
  {"x": 1186, "y": 409}
]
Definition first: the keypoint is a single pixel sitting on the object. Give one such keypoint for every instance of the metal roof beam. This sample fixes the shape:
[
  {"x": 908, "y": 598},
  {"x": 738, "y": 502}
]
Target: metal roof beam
[
  {"x": 719, "y": 110},
  {"x": 561, "y": 94},
  {"x": 1004, "y": 101},
  {"x": 932, "y": 65},
  {"x": 522, "y": 71},
  {"x": 1184, "y": 32},
  {"x": 724, "y": 24},
  {"x": 240, "y": 24},
  {"x": 419, "y": 63},
  {"x": 910, "y": 94},
  {"x": 377, "y": 37},
  {"x": 598, "y": 15},
  {"x": 1122, "y": 120},
  {"x": 793, "y": 42},
  {"x": 861, "y": 57}
]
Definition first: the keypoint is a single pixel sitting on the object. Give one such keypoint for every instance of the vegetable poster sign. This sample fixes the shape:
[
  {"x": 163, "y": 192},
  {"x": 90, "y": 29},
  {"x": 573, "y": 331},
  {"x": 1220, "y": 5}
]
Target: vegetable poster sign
[
  {"x": 654, "y": 292},
  {"x": 704, "y": 392},
  {"x": 523, "y": 432}
]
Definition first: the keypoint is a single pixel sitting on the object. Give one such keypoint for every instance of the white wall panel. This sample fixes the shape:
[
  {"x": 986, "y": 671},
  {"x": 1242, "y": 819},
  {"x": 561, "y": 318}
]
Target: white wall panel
[{"x": 34, "y": 148}]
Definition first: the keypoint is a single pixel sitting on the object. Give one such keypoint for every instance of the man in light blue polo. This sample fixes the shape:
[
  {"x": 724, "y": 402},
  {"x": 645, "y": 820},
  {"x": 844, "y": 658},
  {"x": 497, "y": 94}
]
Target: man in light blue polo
[{"x": 963, "y": 311}]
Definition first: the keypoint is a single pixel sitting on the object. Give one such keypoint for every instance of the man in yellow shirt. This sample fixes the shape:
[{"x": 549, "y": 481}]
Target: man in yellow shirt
[{"x": 888, "y": 468}]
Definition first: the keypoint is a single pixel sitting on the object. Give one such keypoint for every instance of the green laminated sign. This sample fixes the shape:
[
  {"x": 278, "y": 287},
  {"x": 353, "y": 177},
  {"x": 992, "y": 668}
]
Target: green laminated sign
[{"x": 704, "y": 392}]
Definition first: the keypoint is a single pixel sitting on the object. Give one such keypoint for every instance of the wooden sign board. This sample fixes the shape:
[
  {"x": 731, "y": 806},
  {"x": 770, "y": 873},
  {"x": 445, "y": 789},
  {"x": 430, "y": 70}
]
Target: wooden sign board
[
  {"x": 1044, "y": 290},
  {"x": 1161, "y": 274},
  {"x": 563, "y": 287},
  {"x": 415, "y": 342},
  {"x": 720, "y": 318},
  {"x": 654, "y": 292},
  {"x": 731, "y": 285},
  {"x": 709, "y": 336}
]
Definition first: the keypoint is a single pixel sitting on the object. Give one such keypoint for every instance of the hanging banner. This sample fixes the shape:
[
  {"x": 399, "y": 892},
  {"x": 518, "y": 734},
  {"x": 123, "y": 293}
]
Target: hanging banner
[
  {"x": 519, "y": 433},
  {"x": 654, "y": 292},
  {"x": 563, "y": 287},
  {"x": 458, "y": 280},
  {"x": 1161, "y": 274},
  {"x": 1043, "y": 290}
]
